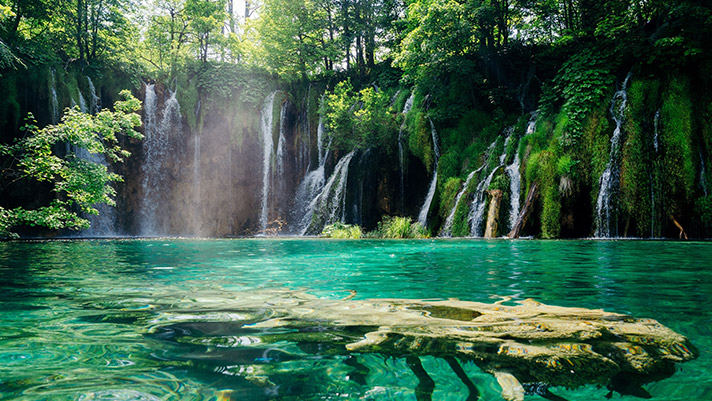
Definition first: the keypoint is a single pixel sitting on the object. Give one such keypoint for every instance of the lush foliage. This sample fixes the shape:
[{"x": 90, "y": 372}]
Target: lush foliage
[
  {"x": 78, "y": 183},
  {"x": 342, "y": 231},
  {"x": 358, "y": 120},
  {"x": 399, "y": 228}
]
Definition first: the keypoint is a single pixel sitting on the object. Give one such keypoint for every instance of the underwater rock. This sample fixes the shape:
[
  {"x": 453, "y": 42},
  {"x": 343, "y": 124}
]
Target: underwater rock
[{"x": 521, "y": 345}]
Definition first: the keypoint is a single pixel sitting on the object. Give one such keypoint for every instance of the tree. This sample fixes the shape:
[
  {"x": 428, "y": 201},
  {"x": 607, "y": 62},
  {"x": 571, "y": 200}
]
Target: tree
[{"x": 77, "y": 184}]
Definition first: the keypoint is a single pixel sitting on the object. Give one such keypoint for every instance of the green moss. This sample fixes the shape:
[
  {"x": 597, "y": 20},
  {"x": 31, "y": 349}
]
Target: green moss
[
  {"x": 460, "y": 223},
  {"x": 449, "y": 191},
  {"x": 420, "y": 140},
  {"x": 638, "y": 170},
  {"x": 678, "y": 167}
]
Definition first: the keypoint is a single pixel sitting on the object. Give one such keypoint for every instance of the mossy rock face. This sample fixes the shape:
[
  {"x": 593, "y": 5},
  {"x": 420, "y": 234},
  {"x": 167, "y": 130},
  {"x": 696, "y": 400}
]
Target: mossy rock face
[{"x": 529, "y": 343}]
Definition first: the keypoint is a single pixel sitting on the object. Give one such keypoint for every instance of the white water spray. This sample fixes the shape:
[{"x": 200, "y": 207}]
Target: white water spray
[
  {"x": 606, "y": 221},
  {"x": 423, "y": 215},
  {"x": 268, "y": 148}
]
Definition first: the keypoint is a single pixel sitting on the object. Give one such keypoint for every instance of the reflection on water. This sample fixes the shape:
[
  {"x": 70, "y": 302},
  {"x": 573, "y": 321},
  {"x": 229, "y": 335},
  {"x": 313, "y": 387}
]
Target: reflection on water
[{"x": 137, "y": 320}]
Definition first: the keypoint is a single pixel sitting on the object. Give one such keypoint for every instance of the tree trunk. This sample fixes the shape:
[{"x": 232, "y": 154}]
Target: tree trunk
[
  {"x": 493, "y": 213},
  {"x": 683, "y": 234},
  {"x": 80, "y": 45},
  {"x": 524, "y": 214}
]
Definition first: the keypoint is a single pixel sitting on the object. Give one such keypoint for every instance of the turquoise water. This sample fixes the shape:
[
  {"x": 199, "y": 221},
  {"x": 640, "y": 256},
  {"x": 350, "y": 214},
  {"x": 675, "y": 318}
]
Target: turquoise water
[{"x": 118, "y": 320}]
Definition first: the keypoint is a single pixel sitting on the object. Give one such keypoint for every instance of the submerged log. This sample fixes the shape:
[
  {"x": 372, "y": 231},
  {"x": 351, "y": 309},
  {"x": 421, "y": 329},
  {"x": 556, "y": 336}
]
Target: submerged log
[
  {"x": 493, "y": 213},
  {"x": 525, "y": 212},
  {"x": 683, "y": 234},
  {"x": 524, "y": 345}
]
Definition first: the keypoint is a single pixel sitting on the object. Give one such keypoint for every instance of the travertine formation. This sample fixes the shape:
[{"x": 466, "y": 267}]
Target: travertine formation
[{"x": 532, "y": 343}]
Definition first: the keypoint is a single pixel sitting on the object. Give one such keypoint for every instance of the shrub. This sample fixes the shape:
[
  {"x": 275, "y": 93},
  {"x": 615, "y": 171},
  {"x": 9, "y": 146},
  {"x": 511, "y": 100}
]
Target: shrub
[
  {"x": 342, "y": 231},
  {"x": 399, "y": 228}
]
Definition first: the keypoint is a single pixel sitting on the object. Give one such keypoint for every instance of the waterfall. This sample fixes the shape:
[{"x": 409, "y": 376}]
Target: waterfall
[
  {"x": 446, "y": 231},
  {"x": 477, "y": 208},
  {"x": 401, "y": 156},
  {"x": 104, "y": 223},
  {"x": 82, "y": 102},
  {"x": 514, "y": 189},
  {"x": 156, "y": 154},
  {"x": 609, "y": 182},
  {"x": 329, "y": 205},
  {"x": 656, "y": 124},
  {"x": 515, "y": 178},
  {"x": 423, "y": 215},
  {"x": 55, "y": 102},
  {"x": 703, "y": 176},
  {"x": 311, "y": 186},
  {"x": 268, "y": 148},
  {"x": 320, "y": 130},
  {"x": 280, "y": 143},
  {"x": 95, "y": 105}
]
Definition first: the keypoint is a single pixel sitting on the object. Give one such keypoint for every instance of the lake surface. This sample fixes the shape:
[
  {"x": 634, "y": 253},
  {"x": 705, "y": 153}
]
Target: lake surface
[{"x": 111, "y": 320}]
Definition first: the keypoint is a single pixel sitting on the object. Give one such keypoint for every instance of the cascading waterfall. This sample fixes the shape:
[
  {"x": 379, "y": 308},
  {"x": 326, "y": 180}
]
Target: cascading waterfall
[
  {"x": 53, "y": 98},
  {"x": 477, "y": 208},
  {"x": 311, "y": 186},
  {"x": 609, "y": 182},
  {"x": 515, "y": 177},
  {"x": 329, "y": 206},
  {"x": 268, "y": 149},
  {"x": 95, "y": 105},
  {"x": 423, "y": 215},
  {"x": 446, "y": 231},
  {"x": 155, "y": 149},
  {"x": 401, "y": 156}
]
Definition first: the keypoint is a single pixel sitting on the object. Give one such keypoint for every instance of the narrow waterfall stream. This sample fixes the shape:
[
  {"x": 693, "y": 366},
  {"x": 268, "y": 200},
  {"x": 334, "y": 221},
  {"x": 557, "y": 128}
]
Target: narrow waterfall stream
[
  {"x": 606, "y": 219},
  {"x": 95, "y": 105},
  {"x": 53, "y": 99},
  {"x": 268, "y": 149},
  {"x": 423, "y": 215},
  {"x": 446, "y": 231},
  {"x": 477, "y": 208},
  {"x": 515, "y": 177},
  {"x": 401, "y": 152}
]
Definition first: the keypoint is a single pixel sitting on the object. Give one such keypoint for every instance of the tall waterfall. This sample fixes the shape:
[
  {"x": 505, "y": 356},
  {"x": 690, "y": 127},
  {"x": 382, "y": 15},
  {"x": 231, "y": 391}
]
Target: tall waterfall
[
  {"x": 281, "y": 143},
  {"x": 477, "y": 208},
  {"x": 401, "y": 155},
  {"x": 329, "y": 206},
  {"x": 268, "y": 149},
  {"x": 156, "y": 155},
  {"x": 606, "y": 220},
  {"x": 423, "y": 215},
  {"x": 446, "y": 231},
  {"x": 53, "y": 99},
  {"x": 95, "y": 105}
]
